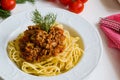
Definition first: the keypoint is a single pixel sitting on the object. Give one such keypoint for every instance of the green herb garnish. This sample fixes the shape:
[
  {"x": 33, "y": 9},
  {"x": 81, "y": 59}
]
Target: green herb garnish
[
  {"x": 20, "y": 1},
  {"x": 23, "y": 1},
  {"x": 4, "y": 14},
  {"x": 44, "y": 22}
]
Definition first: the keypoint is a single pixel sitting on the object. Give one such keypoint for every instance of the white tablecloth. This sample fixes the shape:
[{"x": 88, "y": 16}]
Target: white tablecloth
[{"x": 108, "y": 67}]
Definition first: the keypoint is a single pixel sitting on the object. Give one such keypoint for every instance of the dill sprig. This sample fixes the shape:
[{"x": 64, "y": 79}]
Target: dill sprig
[
  {"x": 23, "y": 1},
  {"x": 37, "y": 18},
  {"x": 44, "y": 22},
  {"x": 4, "y": 14}
]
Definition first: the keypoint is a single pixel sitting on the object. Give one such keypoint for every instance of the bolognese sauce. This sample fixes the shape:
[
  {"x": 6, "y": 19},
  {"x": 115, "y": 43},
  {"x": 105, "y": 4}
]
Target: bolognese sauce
[{"x": 37, "y": 44}]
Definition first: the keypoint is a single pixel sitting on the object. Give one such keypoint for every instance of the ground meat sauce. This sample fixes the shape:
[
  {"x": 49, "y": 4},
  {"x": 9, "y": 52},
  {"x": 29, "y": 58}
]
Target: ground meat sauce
[{"x": 37, "y": 44}]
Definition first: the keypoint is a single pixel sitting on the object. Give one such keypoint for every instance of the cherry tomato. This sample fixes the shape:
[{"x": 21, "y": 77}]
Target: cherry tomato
[
  {"x": 8, "y": 4},
  {"x": 84, "y": 1},
  {"x": 65, "y": 2},
  {"x": 76, "y": 6}
]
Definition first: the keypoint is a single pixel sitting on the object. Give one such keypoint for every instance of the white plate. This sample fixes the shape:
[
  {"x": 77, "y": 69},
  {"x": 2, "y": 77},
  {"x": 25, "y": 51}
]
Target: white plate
[{"x": 16, "y": 23}]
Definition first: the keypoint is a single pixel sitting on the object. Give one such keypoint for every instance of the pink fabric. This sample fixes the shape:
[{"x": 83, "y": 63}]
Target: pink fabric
[{"x": 112, "y": 35}]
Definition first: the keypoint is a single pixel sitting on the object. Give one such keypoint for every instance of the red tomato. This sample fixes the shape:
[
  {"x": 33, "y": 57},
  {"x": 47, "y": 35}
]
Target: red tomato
[
  {"x": 84, "y": 1},
  {"x": 76, "y": 6},
  {"x": 65, "y": 2},
  {"x": 8, "y": 4}
]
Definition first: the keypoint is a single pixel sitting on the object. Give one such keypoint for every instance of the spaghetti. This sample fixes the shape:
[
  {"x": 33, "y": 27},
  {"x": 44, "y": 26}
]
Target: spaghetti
[{"x": 53, "y": 65}]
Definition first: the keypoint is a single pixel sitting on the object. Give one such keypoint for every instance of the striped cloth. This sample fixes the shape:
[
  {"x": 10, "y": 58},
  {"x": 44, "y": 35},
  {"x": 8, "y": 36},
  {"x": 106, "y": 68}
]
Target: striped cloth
[{"x": 111, "y": 27}]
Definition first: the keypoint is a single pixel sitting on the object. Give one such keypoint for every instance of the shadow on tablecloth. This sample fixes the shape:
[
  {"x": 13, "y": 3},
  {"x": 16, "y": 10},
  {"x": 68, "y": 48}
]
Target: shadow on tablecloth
[
  {"x": 1, "y": 78},
  {"x": 111, "y": 5},
  {"x": 113, "y": 54}
]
